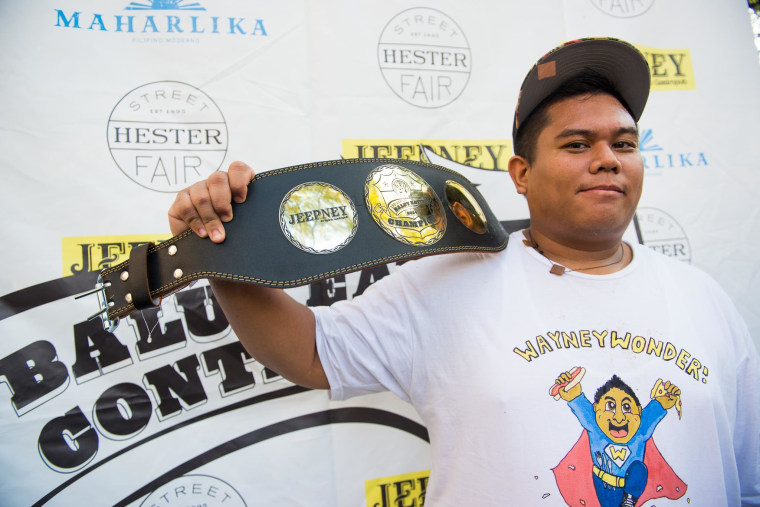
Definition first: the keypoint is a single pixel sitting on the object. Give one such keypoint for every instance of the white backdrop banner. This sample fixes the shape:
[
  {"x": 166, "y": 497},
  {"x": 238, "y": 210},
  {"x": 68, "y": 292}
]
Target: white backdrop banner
[{"x": 109, "y": 107}]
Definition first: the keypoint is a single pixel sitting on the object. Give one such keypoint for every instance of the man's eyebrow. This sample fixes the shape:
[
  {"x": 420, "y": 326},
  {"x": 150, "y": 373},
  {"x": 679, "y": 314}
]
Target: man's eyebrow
[{"x": 588, "y": 133}]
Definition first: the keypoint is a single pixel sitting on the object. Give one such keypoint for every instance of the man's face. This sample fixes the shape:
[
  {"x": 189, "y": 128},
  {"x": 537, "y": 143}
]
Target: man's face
[
  {"x": 586, "y": 177},
  {"x": 617, "y": 415}
]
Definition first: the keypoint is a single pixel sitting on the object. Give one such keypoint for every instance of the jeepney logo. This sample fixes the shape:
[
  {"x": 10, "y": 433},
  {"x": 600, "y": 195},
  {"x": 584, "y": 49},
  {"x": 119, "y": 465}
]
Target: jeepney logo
[{"x": 318, "y": 218}]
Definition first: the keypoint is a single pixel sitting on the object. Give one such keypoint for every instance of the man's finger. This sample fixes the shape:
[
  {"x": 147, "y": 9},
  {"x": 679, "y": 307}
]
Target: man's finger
[
  {"x": 240, "y": 175},
  {"x": 204, "y": 207},
  {"x": 182, "y": 215},
  {"x": 221, "y": 197}
]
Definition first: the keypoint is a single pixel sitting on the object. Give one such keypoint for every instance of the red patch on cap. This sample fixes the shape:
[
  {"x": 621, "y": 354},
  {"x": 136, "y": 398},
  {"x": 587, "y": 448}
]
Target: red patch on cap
[{"x": 548, "y": 69}]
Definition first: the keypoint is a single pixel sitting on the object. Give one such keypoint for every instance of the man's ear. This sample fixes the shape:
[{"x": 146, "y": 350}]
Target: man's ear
[{"x": 518, "y": 171}]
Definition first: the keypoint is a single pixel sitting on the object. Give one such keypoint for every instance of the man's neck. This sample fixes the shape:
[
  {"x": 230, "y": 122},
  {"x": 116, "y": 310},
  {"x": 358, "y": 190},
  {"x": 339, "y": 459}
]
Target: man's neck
[{"x": 598, "y": 257}]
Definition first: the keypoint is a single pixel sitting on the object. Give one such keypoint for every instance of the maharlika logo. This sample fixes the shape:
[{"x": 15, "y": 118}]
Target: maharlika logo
[
  {"x": 646, "y": 143},
  {"x": 165, "y": 4},
  {"x": 656, "y": 158},
  {"x": 162, "y": 17}
]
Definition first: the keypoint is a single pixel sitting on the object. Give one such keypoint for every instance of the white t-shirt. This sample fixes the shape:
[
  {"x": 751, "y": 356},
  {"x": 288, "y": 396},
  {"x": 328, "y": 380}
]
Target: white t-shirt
[{"x": 475, "y": 341}]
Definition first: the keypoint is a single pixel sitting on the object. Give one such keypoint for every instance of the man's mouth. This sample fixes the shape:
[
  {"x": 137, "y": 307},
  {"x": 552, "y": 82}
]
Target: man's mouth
[
  {"x": 619, "y": 431},
  {"x": 603, "y": 188}
]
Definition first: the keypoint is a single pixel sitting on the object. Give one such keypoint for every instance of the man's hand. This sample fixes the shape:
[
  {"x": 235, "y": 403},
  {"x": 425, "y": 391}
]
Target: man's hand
[{"x": 206, "y": 205}]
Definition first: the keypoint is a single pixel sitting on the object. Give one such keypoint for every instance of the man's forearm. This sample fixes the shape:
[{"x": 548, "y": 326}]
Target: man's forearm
[{"x": 275, "y": 329}]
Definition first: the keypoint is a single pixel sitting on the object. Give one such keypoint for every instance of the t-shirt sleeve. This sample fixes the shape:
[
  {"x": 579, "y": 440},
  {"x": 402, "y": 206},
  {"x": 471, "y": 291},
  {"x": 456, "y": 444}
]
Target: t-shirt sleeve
[{"x": 366, "y": 345}]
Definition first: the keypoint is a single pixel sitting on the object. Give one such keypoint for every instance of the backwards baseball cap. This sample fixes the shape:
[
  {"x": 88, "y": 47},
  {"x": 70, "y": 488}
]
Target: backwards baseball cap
[{"x": 620, "y": 62}]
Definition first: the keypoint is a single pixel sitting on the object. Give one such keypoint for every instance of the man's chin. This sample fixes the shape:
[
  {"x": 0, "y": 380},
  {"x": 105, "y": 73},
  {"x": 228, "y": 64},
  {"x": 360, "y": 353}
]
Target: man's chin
[{"x": 594, "y": 230}]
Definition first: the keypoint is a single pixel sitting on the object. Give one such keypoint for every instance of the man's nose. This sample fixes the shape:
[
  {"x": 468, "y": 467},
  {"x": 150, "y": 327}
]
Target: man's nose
[{"x": 604, "y": 159}]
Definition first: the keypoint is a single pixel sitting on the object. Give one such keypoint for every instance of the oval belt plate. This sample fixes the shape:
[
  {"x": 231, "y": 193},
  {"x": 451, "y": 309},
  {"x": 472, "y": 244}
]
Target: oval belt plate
[
  {"x": 318, "y": 218},
  {"x": 404, "y": 205},
  {"x": 464, "y": 206}
]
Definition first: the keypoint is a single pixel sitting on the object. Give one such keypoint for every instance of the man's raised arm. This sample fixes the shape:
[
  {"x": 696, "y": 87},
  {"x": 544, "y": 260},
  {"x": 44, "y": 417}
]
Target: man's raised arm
[{"x": 273, "y": 327}]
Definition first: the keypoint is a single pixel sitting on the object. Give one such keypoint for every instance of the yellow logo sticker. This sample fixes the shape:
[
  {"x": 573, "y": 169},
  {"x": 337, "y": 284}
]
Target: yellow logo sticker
[
  {"x": 406, "y": 489},
  {"x": 671, "y": 69},
  {"x": 488, "y": 154},
  {"x": 82, "y": 254}
]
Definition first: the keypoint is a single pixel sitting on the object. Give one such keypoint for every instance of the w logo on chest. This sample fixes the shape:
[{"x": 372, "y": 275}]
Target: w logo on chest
[{"x": 617, "y": 453}]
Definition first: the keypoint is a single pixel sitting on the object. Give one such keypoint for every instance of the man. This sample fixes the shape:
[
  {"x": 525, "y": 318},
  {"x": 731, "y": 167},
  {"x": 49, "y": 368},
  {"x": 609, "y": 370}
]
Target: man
[{"x": 471, "y": 339}]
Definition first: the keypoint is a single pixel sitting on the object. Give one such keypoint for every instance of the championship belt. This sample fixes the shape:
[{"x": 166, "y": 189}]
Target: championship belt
[{"x": 310, "y": 222}]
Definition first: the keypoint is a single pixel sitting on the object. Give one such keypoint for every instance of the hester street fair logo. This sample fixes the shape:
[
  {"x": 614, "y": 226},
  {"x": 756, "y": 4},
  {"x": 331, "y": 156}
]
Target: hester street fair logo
[
  {"x": 167, "y": 135},
  {"x": 195, "y": 490},
  {"x": 623, "y": 8},
  {"x": 424, "y": 57},
  {"x": 660, "y": 232}
]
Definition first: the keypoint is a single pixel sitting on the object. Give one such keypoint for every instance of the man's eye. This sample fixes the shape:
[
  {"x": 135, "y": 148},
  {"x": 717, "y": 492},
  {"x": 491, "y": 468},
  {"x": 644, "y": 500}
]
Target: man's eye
[
  {"x": 610, "y": 406},
  {"x": 577, "y": 145},
  {"x": 621, "y": 145},
  {"x": 626, "y": 408}
]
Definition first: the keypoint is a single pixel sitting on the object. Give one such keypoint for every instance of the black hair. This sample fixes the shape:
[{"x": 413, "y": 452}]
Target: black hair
[
  {"x": 587, "y": 82},
  {"x": 615, "y": 381}
]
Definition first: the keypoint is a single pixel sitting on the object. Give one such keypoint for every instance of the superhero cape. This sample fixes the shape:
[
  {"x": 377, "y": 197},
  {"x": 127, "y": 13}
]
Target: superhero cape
[{"x": 574, "y": 476}]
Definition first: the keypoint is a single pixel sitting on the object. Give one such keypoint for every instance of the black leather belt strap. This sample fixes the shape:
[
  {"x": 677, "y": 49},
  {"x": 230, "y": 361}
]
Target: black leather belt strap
[
  {"x": 138, "y": 285},
  {"x": 259, "y": 250}
]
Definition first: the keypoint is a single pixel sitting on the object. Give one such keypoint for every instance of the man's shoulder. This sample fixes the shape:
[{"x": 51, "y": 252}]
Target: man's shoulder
[
  {"x": 674, "y": 266},
  {"x": 449, "y": 261},
  {"x": 683, "y": 276},
  {"x": 434, "y": 272}
]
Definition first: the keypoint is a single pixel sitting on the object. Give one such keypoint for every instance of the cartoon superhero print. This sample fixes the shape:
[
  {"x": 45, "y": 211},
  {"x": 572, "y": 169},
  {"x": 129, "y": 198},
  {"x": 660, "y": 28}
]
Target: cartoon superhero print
[{"x": 615, "y": 461}]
